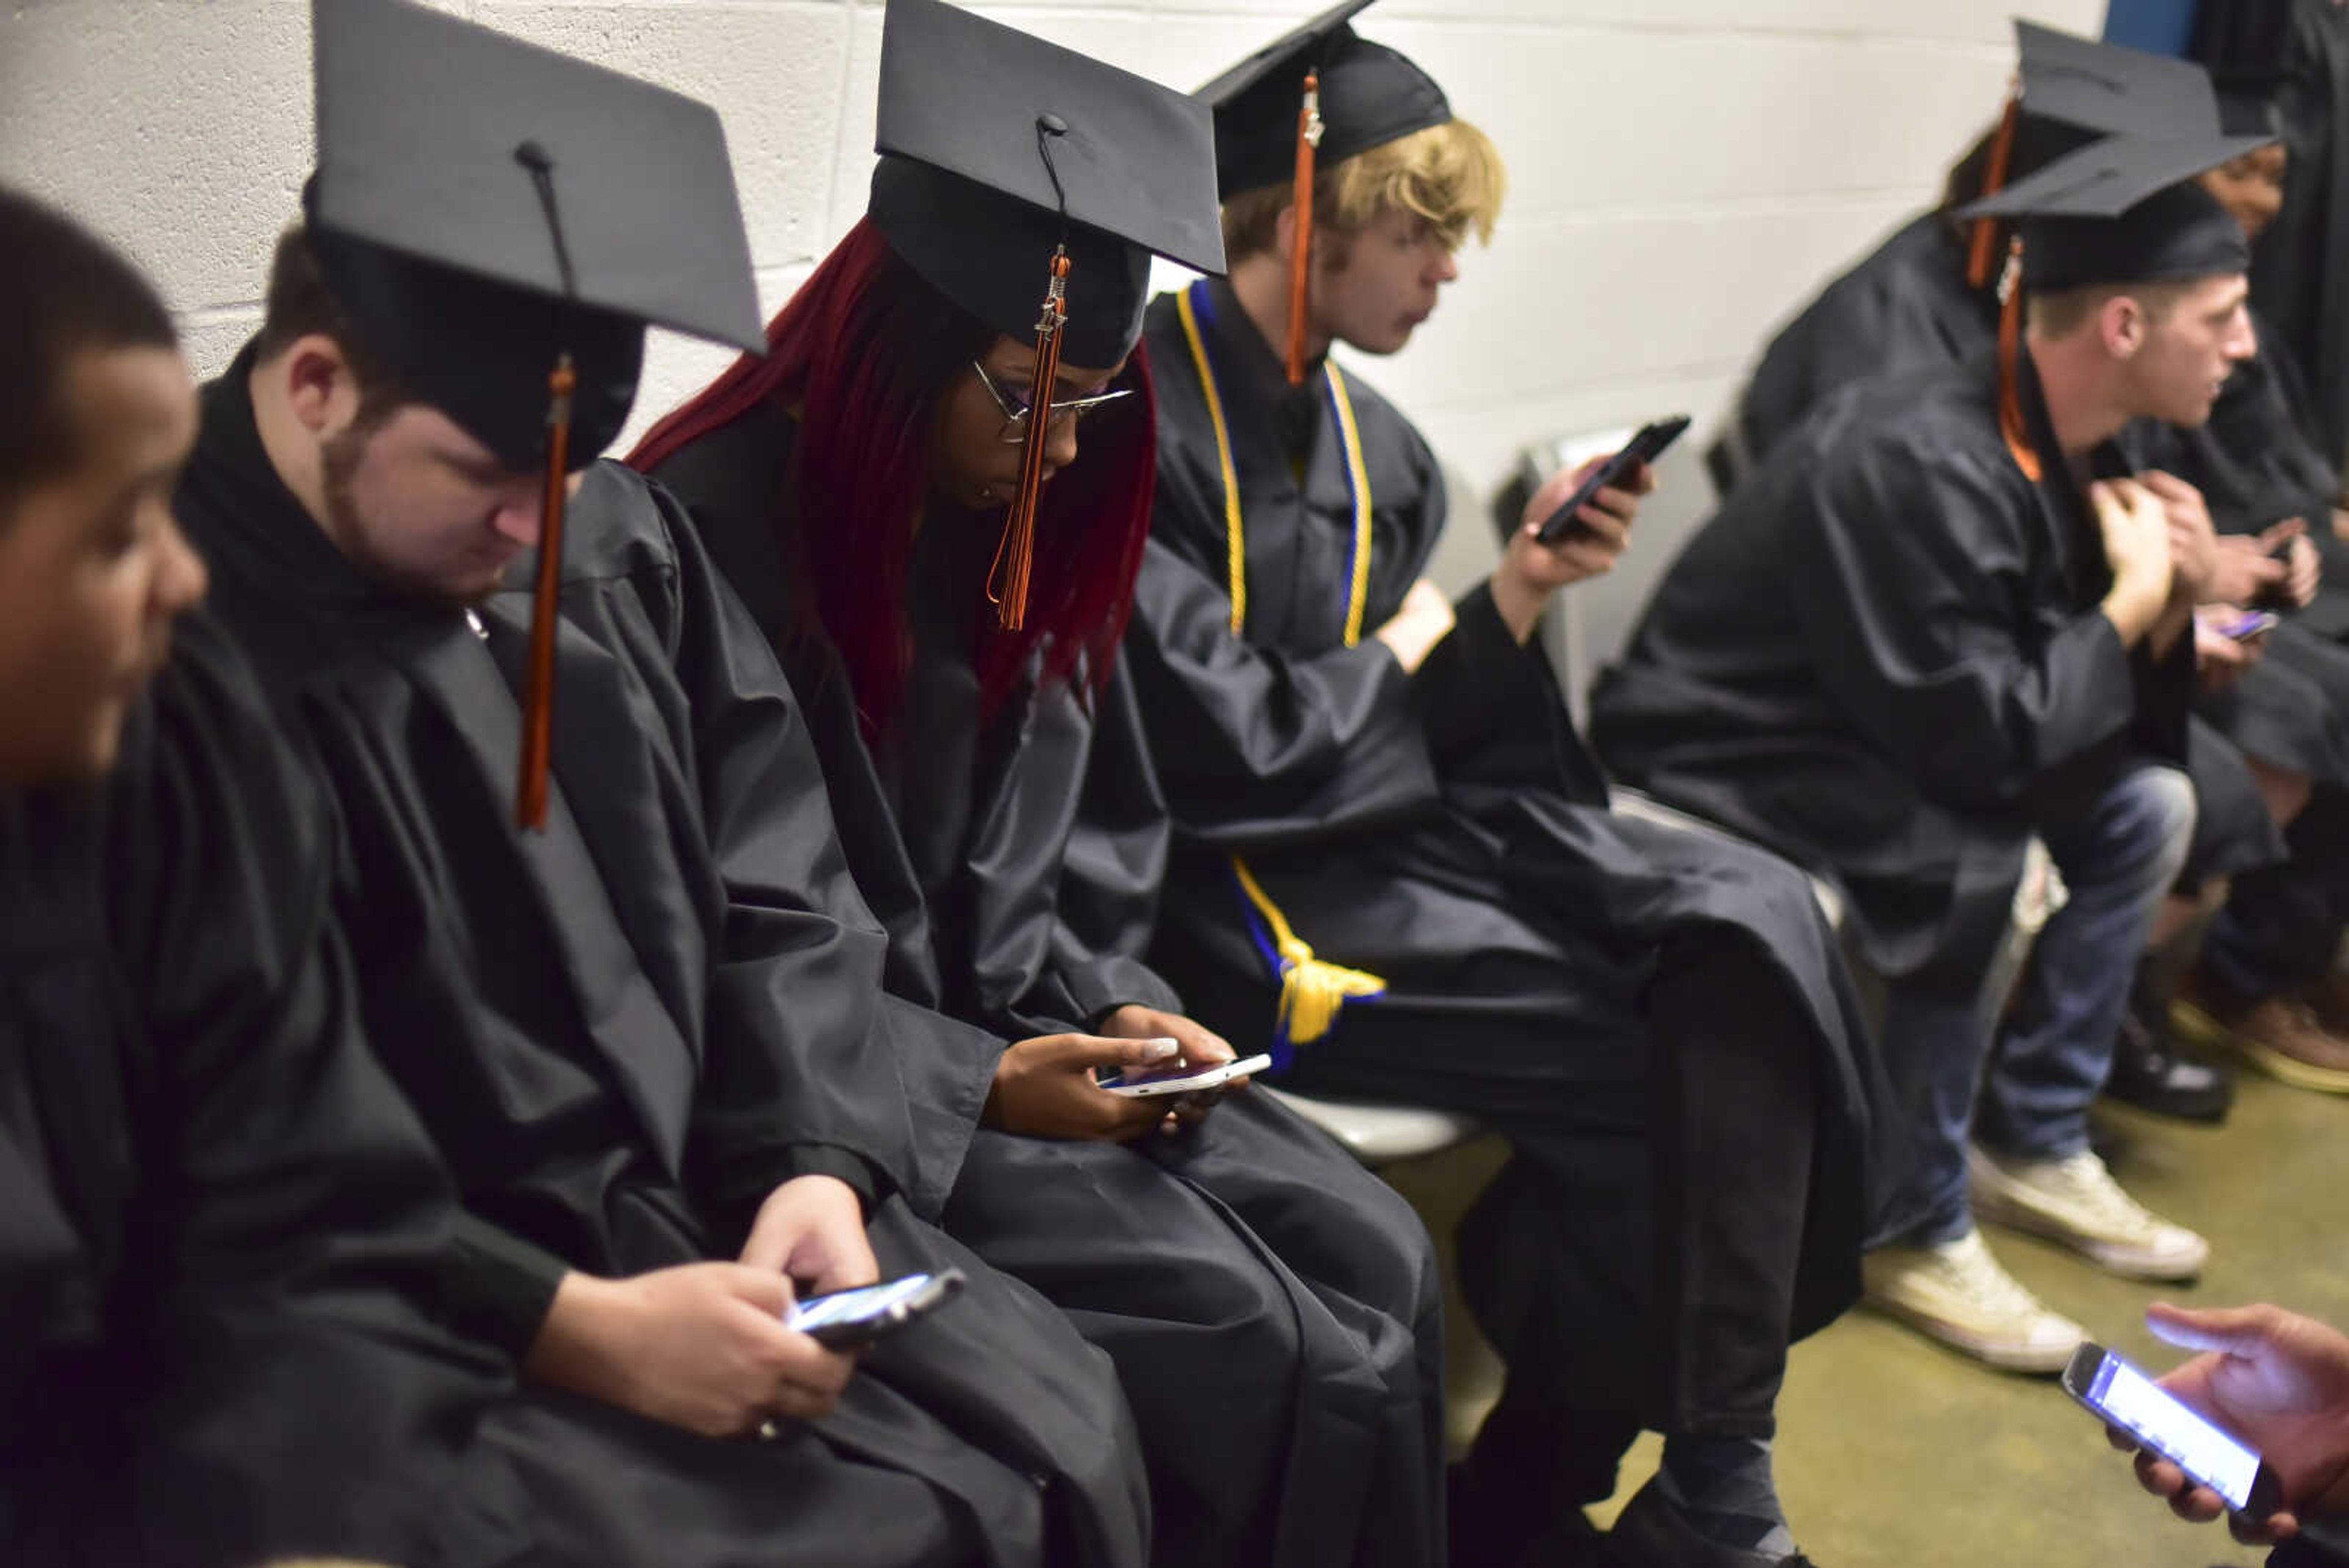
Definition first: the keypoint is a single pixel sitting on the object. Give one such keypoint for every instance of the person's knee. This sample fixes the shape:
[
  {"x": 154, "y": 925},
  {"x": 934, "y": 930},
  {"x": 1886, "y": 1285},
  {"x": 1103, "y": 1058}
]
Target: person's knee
[{"x": 2153, "y": 819}]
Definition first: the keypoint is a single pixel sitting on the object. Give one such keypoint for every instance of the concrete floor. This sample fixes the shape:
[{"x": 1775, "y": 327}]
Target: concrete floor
[{"x": 1895, "y": 1451}]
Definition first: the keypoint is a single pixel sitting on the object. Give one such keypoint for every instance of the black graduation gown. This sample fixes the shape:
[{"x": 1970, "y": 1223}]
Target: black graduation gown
[
  {"x": 1449, "y": 833},
  {"x": 1883, "y": 657},
  {"x": 2297, "y": 265},
  {"x": 1906, "y": 307},
  {"x": 220, "y": 1258},
  {"x": 1274, "y": 1309},
  {"x": 626, "y": 1031}
]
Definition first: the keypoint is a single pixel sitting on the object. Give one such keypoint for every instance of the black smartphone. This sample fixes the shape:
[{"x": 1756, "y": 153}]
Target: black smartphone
[
  {"x": 1645, "y": 447},
  {"x": 2277, "y": 595},
  {"x": 848, "y": 1320},
  {"x": 2124, "y": 1396}
]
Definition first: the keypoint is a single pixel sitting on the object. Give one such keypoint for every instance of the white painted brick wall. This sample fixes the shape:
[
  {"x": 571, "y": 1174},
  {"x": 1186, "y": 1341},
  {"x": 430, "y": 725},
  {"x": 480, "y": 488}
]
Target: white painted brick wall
[{"x": 1683, "y": 172}]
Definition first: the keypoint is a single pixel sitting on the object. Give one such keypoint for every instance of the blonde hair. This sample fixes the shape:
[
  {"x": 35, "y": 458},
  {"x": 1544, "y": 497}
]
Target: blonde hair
[{"x": 1450, "y": 175}]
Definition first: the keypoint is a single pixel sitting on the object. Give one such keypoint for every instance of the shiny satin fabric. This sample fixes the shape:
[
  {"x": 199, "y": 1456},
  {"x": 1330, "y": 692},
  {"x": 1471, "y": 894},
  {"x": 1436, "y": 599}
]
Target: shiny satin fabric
[
  {"x": 625, "y": 1031},
  {"x": 1273, "y": 1309},
  {"x": 1448, "y": 832},
  {"x": 219, "y": 1270}
]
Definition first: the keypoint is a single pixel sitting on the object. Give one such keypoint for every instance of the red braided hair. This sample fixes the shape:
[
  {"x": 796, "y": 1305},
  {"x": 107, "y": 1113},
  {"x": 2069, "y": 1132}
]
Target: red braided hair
[{"x": 865, "y": 350}]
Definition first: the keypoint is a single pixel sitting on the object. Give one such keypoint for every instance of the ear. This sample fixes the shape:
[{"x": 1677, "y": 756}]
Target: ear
[
  {"x": 1284, "y": 235},
  {"x": 2122, "y": 323},
  {"x": 319, "y": 385}
]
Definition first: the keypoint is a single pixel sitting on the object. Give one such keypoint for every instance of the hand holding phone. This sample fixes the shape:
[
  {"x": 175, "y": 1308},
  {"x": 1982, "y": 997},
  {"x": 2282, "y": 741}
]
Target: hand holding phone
[
  {"x": 1643, "y": 448},
  {"x": 2128, "y": 1398}
]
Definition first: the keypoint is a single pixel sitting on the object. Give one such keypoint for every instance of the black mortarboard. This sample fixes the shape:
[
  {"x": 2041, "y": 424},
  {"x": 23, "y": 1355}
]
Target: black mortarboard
[
  {"x": 2105, "y": 87},
  {"x": 462, "y": 274},
  {"x": 1371, "y": 96},
  {"x": 2124, "y": 209},
  {"x": 500, "y": 223},
  {"x": 997, "y": 147}
]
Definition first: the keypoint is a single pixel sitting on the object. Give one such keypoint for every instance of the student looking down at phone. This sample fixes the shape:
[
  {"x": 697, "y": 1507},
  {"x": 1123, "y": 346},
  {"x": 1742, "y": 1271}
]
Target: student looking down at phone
[
  {"x": 1272, "y": 1307},
  {"x": 1396, "y": 863}
]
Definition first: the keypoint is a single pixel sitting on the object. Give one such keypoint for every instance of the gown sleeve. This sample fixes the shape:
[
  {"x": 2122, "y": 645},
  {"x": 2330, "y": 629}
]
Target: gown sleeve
[
  {"x": 289, "y": 1253},
  {"x": 1911, "y": 577},
  {"x": 810, "y": 1070},
  {"x": 1259, "y": 744}
]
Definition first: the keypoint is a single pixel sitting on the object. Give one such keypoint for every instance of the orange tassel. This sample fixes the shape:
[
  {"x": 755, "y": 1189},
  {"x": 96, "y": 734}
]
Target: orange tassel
[
  {"x": 1300, "y": 263},
  {"x": 2010, "y": 423},
  {"x": 1983, "y": 255},
  {"x": 1015, "y": 557},
  {"x": 538, "y": 701}
]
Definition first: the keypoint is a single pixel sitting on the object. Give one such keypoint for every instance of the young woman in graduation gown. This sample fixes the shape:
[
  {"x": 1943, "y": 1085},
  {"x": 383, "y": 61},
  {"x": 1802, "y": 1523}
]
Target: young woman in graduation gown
[{"x": 1273, "y": 1308}]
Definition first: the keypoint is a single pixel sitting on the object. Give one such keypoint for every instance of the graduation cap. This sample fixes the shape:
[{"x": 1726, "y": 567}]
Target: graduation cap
[
  {"x": 1031, "y": 185},
  {"x": 2124, "y": 210},
  {"x": 1320, "y": 91},
  {"x": 500, "y": 224},
  {"x": 2068, "y": 89}
]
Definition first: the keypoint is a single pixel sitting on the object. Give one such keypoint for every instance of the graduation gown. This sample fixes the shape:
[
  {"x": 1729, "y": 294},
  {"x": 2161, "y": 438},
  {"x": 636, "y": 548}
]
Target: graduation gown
[
  {"x": 1448, "y": 832},
  {"x": 1895, "y": 707},
  {"x": 1274, "y": 1309},
  {"x": 220, "y": 1259},
  {"x": 626, "y": 1031},
  {"x": 2297, "y": 265},
  {"x": 1906, "y": 305}
]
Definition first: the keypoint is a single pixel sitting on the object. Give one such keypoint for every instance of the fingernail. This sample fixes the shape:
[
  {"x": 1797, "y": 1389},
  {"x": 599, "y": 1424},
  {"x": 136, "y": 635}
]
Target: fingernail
[{"x": 1160, "y": 1047}]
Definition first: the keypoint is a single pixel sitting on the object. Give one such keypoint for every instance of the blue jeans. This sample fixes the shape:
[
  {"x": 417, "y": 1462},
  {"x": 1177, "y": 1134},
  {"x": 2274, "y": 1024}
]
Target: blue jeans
[{"x": 2117, "y": 859}]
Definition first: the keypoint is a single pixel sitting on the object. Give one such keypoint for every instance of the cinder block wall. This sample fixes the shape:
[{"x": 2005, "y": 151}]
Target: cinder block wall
[{"x": 1684, "y": 172}]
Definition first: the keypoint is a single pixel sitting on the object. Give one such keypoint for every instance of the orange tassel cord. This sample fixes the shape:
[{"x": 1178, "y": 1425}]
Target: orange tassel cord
[
  {"x": 1015, "y": 557},
  {"x": 538, "y": 702}
]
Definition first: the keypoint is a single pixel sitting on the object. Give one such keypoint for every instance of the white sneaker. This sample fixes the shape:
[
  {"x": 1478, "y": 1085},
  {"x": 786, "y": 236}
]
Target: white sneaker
[
  {"x": 2076, "y": 1201},
  {"x": 1956, "y": 1292}
]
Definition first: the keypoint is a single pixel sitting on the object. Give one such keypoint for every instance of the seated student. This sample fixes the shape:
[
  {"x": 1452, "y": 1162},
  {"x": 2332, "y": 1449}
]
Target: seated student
[
  {"x": 1929, "y": 296},
  {"x": 1248, "y": 1252},
  {"x": 222, "y": 1224},
  {"x": 1923, "y": 634},
  {"x": 648, "y": 1037},
  {"x": 1414, "y": 802}
]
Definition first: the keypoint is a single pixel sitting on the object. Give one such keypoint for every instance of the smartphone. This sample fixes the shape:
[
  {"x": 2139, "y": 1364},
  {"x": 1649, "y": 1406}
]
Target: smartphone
[
  {"x": 2124, "y": 1396},
  {"x": 1184, "y": 1080},
  {"x": 1645, "y": 447},
  {"x": 847, "y": 1319},
  {"x": 2249, "y": 625}
]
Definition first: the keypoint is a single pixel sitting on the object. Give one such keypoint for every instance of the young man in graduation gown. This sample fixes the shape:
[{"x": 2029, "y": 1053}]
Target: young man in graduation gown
[
  {"x": 1375, "y": 792},
  {"x": 219, "y": 1254},
  {"x": 648, "y": 1032},
  {"x": 1928, "y": 629},
  {"x": 2266, "y": 730},
  {"x": 1274, "y": 1309}
]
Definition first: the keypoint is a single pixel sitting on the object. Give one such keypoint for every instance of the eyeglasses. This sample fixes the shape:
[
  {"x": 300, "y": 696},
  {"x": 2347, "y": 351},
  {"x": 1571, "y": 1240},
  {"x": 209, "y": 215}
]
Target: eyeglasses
[{"x": 1016, "y": 409}]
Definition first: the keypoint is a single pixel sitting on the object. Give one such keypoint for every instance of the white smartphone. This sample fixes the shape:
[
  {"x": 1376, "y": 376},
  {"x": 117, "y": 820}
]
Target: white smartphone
[
  {"x": 2128, "y": 1398},
  {"x": 1183, "y": 1080},
  {"x": 847, "y": 1319}
]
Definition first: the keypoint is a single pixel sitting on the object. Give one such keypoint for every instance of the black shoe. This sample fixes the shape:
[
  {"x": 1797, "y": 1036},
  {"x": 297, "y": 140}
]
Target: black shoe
[
  {"x": 2151, "y": 1073},
  {"x": 1651, "y": 1533}
]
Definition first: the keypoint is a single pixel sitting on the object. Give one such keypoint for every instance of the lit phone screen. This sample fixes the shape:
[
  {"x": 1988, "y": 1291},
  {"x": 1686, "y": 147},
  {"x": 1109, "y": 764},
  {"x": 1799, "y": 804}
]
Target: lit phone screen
[
  {"x": 2135, "y": 1401},
  {"x": 849, "y": 1305}
]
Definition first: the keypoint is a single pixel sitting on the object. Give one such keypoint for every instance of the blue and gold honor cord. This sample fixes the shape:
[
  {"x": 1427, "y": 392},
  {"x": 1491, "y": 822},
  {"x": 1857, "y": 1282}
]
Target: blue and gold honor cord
[{"x": 1312, "y": 989}]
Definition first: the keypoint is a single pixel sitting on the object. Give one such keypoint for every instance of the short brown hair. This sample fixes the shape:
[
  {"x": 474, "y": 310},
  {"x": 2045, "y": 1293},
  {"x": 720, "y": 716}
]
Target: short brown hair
[
  {"x": 2063, "y": 314},
  {"x": 299, "y": 305},
  {"x": 1449, "y": 175}
]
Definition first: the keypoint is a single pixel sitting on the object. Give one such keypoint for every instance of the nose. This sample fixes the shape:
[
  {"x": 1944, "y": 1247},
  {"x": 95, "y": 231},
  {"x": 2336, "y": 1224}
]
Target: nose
[
  {"x": 520, "y": 516},
  {"x": 2246, "y": 343},
  {"x": 1060, "y": 444},
  {"x": 181, "y": 580}
]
